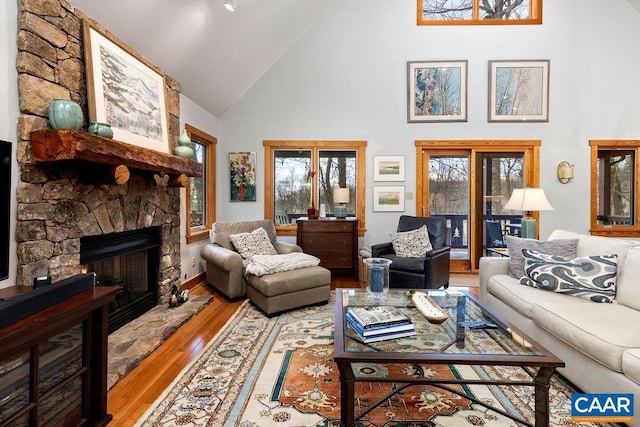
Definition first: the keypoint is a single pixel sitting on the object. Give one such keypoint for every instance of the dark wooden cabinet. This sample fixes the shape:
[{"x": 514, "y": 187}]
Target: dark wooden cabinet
[
  {"x": 53, "y": 364},
  {"x": 334, "y": 241}
]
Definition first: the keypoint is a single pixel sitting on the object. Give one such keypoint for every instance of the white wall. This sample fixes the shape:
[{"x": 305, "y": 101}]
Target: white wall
[
  {"x": 9, "y": 112},
  {"x": 194, "y": 115},
  {"x": 346, "y": 79}
]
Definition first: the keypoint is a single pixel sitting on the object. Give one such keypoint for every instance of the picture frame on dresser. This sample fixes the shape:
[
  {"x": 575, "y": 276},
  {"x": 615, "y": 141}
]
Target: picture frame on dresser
[
  {"x": 388, "y": 198},
  {"x": 124, "y": 90},
  {"x": 519, "y": 91}
]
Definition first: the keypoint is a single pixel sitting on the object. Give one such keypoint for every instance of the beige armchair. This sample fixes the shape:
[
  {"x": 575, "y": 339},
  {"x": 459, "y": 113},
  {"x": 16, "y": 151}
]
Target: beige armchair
[{"x": 272, "y": 293}]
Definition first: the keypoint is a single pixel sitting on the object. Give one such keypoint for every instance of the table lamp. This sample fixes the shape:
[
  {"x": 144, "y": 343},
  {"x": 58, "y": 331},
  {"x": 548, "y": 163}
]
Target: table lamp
[
  {"x": 528, "y": 200},
  {"x": 341, "y": 198}
]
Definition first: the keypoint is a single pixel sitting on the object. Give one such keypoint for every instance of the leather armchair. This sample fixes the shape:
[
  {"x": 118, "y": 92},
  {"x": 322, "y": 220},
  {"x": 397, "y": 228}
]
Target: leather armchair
[{"x": 430, "y": 272}]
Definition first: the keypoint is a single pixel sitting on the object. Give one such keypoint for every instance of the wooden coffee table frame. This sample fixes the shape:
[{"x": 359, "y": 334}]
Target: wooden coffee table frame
[{"x": 546, "y": 364}]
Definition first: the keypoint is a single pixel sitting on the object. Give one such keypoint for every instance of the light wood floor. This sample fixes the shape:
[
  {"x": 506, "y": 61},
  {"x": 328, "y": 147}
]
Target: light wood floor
[{"x": 131, "y": 397}]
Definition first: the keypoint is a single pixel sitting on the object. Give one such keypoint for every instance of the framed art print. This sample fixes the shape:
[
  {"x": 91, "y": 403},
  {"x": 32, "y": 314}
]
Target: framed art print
[
  {"x": 519, "y": 91},
  {"x": 125, "y": 91},
  {"x": 388, "y": 198},
  {"x": 388, "y": 168},
  {"x": 242, "y": 175},
  {"x": 437, "y": 91}
]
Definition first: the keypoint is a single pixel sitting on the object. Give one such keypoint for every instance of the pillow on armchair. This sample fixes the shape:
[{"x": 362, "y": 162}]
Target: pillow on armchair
[
  {"x": 255, "y": 243},
  {"x": 411, "y": 244}
]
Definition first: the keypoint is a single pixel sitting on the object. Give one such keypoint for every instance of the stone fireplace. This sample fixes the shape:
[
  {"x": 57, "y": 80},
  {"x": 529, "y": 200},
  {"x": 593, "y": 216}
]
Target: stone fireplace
[{"x": 62, "y": 203}]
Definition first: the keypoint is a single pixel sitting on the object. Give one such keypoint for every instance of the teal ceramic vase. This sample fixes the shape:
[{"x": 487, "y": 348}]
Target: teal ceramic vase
[
  {"x": 184, "y": 146},
  {"x": 101, "y": 129},
  {"x": 65, "y": 114}
]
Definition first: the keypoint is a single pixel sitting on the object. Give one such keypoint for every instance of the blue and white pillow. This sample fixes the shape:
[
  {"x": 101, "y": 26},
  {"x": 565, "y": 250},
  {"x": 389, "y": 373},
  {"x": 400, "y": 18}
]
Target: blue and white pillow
[
  {"x": 591, "y": 277},
  {"x": 411, "y": 244}
]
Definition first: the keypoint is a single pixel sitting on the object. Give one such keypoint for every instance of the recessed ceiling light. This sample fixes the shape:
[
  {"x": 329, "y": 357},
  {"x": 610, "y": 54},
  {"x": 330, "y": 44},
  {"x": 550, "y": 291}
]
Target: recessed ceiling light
[{"x": 230, "y": 5}]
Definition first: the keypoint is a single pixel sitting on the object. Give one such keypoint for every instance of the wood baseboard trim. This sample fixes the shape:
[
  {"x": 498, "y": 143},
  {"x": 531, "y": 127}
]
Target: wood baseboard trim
[{"x": 194, "y": 281}]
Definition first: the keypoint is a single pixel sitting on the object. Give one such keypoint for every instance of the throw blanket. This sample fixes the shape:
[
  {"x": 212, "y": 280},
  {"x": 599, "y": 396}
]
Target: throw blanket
[{"x": 259, "y": 265}]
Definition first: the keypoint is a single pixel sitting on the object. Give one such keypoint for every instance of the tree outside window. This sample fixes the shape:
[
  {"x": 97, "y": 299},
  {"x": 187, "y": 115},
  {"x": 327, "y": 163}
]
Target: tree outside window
[
  {"x": 201, "y": 189},
  {"x": 434, "y": 12}
]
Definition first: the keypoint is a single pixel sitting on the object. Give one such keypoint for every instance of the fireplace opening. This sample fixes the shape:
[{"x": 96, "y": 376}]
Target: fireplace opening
[{"x": 129, "y": 260}]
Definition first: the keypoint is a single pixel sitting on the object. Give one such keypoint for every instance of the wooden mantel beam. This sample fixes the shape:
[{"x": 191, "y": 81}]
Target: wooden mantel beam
[{"x": 50, "y": 145}]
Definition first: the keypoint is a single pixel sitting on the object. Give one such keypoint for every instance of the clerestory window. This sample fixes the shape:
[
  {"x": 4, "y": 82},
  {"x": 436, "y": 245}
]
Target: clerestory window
[{"x": 479, "y": 12}]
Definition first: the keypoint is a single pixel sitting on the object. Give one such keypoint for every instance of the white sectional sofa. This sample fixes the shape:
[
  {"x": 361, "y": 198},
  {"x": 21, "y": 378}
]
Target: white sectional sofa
[{"x": 599, "y": 342}]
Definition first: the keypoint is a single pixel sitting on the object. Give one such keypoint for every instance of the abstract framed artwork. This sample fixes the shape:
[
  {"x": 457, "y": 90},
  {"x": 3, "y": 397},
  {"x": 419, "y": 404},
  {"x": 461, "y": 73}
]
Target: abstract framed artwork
[
  {"x": 437, "y": 91},
  {"x": 124, "y": 91},
  {"x": 388, "y": 198},
  {"x": 519, "y": 91},
  {"x": 242, "y": 175},
  {"x": 388, "y": 168}
]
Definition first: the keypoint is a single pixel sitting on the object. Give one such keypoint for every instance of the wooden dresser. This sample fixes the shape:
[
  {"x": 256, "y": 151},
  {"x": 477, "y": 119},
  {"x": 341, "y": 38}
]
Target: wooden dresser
[{"x": 334, "y": 241}]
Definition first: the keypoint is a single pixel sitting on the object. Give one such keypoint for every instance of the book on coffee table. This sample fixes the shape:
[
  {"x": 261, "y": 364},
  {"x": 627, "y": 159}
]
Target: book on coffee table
[
  {"x": 378, "y": 316},
  {"x": 381, "y": 334},
  {"x": 380, "y": 329}
]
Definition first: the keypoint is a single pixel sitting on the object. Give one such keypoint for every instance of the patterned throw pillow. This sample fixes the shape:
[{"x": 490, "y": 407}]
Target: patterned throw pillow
[
  {"x": 411, "y": 244},
  {"x": 563, "y": 247},
  {"x": 591, "y": 277},
  {"x": 255, "y": 243}
]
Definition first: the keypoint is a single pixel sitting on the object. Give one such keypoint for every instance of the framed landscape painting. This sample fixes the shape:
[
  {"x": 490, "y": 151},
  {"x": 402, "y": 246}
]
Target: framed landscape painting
[
  {"x": 437, "y": 91},
  {"x": 242, "y": 173},
  {"x": 519, "y": 91},
  {"x": 124, "y": 91},
  {"x": 388, "y": 168},
  {"x": 388, "y": 198}
]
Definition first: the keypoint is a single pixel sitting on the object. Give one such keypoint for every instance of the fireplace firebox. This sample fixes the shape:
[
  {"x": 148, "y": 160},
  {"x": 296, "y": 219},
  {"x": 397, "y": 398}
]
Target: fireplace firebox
[{"x": 129, "y": 260}]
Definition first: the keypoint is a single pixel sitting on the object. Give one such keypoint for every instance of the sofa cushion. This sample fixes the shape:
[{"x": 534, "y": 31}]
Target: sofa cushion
[
  {"x": 519, "y": 298},
  {"x": 600, "y": 331},
  {"x": 631, "y": 364},
  {"x": 628, "y": 292},
  {"x": 596, "y": 245},
  {"x": 562, "y": 247},
  {"x": 221, "y": 231},
  {"x": 255, "y": 243},
  {"x": 413, "y": 244},
  {"x": 592, "y": 278}
]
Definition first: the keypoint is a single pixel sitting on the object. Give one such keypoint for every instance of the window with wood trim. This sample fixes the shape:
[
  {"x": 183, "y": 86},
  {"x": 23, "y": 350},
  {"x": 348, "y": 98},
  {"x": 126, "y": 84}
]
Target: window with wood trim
[
  {"x": 479, "y": 12},
  {"x": 614, "y": 188},
  {"x": 290, "y": 189},
  {"x": 201, "y": 191}
]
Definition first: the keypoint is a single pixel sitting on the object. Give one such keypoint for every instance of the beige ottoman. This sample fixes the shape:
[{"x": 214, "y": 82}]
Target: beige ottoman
[{"x": 286, "y": 290}]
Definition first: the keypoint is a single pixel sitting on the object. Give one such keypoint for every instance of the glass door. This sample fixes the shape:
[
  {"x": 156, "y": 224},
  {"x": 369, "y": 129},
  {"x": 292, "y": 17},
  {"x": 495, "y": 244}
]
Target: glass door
[
  {"x": 448, "y": 195},
  {"x": 469, "y": 183}
]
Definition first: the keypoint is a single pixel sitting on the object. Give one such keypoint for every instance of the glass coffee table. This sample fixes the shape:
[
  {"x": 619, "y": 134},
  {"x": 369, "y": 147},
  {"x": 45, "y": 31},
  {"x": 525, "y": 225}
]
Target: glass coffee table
[{"x": 448, "y": 343}]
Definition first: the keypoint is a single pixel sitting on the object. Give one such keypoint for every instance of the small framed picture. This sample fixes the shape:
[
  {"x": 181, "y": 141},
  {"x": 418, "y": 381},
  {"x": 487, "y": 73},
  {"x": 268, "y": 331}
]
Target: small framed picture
[
  {"x": 388, "y": 198},
  {"x": 437, "y": 91},
  {"x": 242, "y": 173},
  {"x": 519, "y": 91},
  {"x": 388, "y": 168}
]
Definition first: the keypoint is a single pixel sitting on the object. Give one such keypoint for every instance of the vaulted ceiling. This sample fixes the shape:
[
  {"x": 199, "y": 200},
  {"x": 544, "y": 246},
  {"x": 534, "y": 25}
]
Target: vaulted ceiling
[{"x": 216, "y": 55}]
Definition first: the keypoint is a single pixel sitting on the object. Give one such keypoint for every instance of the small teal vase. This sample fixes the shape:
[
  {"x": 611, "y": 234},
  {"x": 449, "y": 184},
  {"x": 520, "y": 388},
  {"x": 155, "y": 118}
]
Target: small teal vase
[
  {"x": 184, "y": 148},
  {"x": 101, "y": 129},
  {"x": 65, "y": 114}
]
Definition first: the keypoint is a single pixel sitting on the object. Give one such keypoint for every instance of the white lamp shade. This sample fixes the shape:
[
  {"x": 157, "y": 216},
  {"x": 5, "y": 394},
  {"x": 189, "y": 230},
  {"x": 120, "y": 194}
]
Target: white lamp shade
[
  {"x": 340, "y": 195},
  {"x": 528, "y": 199}
]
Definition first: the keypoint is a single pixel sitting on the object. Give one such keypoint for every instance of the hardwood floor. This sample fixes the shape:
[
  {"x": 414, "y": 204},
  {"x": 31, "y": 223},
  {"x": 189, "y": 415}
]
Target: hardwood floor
[{"x": 131, "y": 397}]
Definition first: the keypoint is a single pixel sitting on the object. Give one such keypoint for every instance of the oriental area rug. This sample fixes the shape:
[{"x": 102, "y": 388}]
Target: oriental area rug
[{"x": 279, "y": 371}]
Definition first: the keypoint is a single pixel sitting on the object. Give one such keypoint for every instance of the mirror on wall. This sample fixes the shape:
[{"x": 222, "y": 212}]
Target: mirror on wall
[{"x": 5, "y": 203}]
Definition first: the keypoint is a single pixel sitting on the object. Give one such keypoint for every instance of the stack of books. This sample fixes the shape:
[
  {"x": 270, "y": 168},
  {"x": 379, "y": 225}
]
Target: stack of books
[{"x": 379, "y": 323}]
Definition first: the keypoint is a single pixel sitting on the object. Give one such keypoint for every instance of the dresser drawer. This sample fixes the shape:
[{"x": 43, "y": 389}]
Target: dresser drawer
[
  {"x": 329, "y": 226},
  {"x": 342, "y": 241}
]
